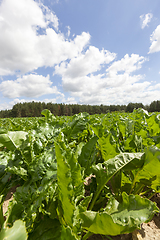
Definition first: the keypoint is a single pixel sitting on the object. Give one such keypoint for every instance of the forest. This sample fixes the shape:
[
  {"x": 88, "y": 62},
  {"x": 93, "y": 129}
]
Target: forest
[{"x": 34, "y": 109}]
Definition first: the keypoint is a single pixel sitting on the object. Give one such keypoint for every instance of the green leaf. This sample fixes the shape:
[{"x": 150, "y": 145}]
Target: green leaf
[
  {"x": 43, "y": 166},
  {"x": 104, "y": 172},
  {"x": 47, "y": 229},
  {"x": 17, "y": 232},
  {"x": 153, "y": 124},
  {"x": 1, "y": 211},
  {"x": 48, "y": 115},
  {"x": 151, "y": 168},
  {"x": 106, "y": 141},
  {"x": 4, "y": 158},
  {"x": 67, "y": 234},
  {"x": 119, "y": 218},
  {"x": 86, "y": 158},
  {"x": 65, "y": 186},
  {"x": 76, "y": 126},
  {"x": 13, "y": 140}
]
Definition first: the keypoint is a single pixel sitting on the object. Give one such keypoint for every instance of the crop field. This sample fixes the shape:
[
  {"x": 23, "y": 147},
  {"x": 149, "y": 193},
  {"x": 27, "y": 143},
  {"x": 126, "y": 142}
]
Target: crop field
[{"x": 78, "y": 176}]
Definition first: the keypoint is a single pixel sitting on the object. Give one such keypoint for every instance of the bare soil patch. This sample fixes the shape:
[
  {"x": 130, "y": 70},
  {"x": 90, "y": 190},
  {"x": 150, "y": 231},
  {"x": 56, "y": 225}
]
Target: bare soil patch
[{"x": 8, "y": 198}]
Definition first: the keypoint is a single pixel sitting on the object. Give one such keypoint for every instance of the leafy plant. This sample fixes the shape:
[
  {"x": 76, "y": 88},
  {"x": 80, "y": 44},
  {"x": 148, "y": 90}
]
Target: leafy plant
[{"x": 81, "y": 175}]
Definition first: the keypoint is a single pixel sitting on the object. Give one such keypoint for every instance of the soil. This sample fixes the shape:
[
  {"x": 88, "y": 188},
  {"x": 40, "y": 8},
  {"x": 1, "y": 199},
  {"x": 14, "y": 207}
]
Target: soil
[
  {"x": 149, "y": 231},
  {"x": 8, "y": 198}
]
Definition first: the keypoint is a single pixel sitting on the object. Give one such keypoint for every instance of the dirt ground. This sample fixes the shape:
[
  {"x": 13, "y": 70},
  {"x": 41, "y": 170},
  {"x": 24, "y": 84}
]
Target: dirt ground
[{"x": 149, "y": 231}]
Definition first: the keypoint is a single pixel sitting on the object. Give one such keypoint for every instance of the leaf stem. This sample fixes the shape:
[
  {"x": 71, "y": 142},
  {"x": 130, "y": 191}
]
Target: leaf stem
[
  {"x": 95, "y": 198},
  {"x": 87, "y": 235},
  {"x": 142, "y": 193},
  {"x": 1, "y": 216},
  {"x": 138, "y": 191},
  {"x": 109, "y": 237},
  {"x": 134, "y": 182},
  {"x": 151, "y": 195}
]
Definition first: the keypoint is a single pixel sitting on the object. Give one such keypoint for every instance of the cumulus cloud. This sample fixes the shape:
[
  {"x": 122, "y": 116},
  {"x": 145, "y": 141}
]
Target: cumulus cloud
[
  {"x": 145, "y": 19},
  {"x": 53, "y": 48},
  {"x": 28, "y": 86},
  {"x": 120, "y": 94},
  {"x": 119, "y": 84},
  {"x": 154, "y": 87},
  {"x": 78, "y": 75},
  {"x": 29, "y": 40},
  {"x": 89, "y": 62},
  {"x": 75, "y": 79},
  {"x": 155, "y": 41},
  {"x": 127, "y": 64},
  {"x": 50, "y": 17}
]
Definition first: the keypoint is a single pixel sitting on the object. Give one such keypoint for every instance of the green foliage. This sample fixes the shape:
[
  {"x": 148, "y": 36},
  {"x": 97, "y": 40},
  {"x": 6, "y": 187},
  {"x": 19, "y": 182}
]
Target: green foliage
[
  {"x": 80, "y": 175},
  {"x": 17, "y": 232},
  {"x": 119, "y": 217}
]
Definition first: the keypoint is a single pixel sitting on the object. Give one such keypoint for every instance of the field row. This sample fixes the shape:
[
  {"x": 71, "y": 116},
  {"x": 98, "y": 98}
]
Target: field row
[{"x": 80, "y": 175}]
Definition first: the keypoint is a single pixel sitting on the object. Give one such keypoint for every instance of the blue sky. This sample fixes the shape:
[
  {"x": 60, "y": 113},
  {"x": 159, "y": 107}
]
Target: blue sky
[{"x": 86, "y": 52}]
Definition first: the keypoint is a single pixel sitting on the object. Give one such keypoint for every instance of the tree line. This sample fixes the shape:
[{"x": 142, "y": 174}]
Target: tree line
[{"x": 34, "y": 109}]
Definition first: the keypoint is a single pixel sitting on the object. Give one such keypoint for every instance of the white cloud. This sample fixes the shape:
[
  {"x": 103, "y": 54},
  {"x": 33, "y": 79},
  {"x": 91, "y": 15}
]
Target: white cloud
[
  {"x": 127, "y": 64},
  {"x": 119, "y": 84},
  {"x": 70, "y": 100},
  {"x": 154, "y": 87},
  {"x": 53, "y": 48},
  {"x": 89, "y": 62},
  {"x": 68, "y": 31},
  {"x": 145, "y": 19},
  {"x": 137, "y": 92},
  {"x": 31, "y": 39},
  {"x": 50, "y": 17},
  {"x": 28, "y": 42},
  {"x": 28, "y": 86},
  {"x": 155, "y": 41}
]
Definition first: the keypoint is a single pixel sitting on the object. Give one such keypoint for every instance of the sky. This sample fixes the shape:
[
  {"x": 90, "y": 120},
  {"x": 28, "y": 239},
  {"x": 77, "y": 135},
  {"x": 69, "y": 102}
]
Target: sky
[{"x": 79, "y": 52}]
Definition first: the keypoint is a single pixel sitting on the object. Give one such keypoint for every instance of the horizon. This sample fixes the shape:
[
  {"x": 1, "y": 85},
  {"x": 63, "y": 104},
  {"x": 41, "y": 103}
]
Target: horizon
[{"x": 123, "y": 105}]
